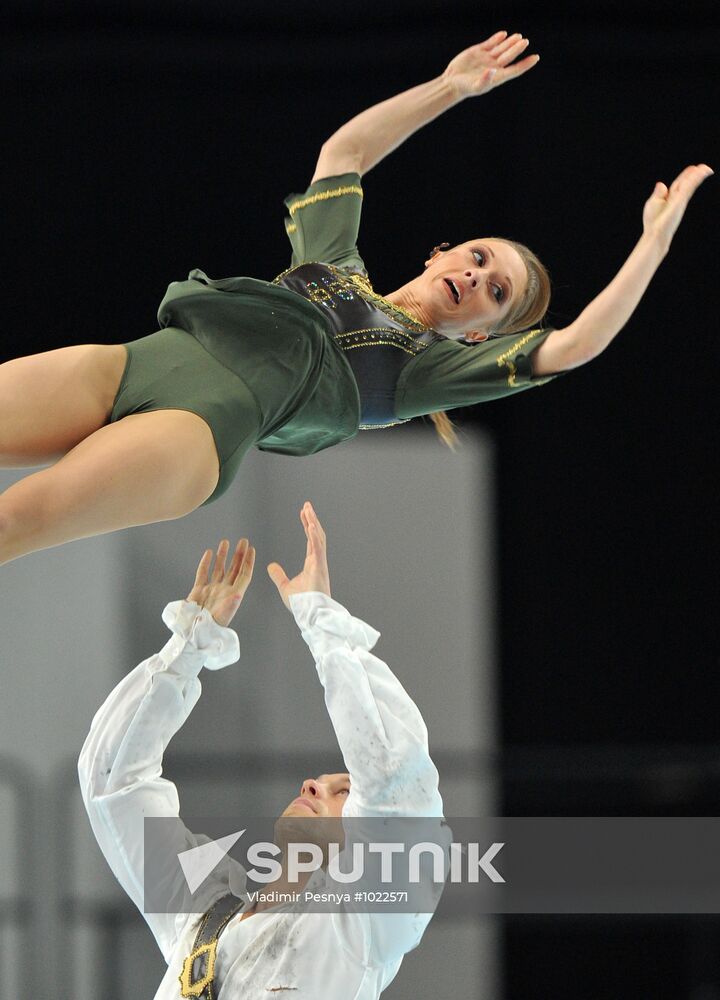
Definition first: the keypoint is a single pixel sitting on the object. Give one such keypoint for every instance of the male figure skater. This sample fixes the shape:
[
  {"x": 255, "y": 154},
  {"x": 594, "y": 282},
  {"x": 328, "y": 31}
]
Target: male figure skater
[{"x": 241, "y": 952}]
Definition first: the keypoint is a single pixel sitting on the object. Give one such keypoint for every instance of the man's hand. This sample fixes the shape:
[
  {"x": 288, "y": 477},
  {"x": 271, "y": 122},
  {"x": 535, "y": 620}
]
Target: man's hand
[
  {"x": 314, "y": 574},
  {"x": 221, "y": 594},
  {"x": 481, "y": 67},
  {"x": 665, "y": 207}
]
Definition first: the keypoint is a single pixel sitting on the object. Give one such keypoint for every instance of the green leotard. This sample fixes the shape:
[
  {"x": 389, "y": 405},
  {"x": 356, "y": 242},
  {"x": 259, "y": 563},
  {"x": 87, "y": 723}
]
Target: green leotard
[{"x": 261, "y": 364}]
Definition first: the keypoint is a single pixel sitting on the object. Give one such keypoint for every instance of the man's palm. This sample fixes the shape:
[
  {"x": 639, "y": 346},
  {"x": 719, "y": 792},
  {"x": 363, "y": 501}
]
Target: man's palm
[{"x": 314, "y": 575}]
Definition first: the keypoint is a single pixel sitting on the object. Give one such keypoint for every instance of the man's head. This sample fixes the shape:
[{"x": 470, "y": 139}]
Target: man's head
[{"x": 320, "y": 798}]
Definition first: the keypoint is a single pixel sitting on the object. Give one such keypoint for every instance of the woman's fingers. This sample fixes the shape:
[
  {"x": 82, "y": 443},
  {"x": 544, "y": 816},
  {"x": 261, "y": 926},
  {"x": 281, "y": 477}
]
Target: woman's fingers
[
  {"x": 492, "y": 41},
  {"x": 518, "y": 68},
  {"x": 512, "y": 52},
  {"x": 502, "y": 47},
  {"x": 690, "y": 179}
]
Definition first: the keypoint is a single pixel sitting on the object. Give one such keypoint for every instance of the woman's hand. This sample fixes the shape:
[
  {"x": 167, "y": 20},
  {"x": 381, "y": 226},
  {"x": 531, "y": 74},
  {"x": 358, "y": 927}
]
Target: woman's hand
[
  {"x": 221, "y": 594},
  {"x": 600, "y": 321},
  {"x": 481, "y": 67},
  {"x": 666, "y": 206},
  {"x": 314, "y": 574}
]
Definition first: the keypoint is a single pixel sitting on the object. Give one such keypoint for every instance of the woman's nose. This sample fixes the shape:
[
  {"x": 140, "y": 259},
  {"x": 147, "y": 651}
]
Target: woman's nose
[{"x": 472, "y": 277}]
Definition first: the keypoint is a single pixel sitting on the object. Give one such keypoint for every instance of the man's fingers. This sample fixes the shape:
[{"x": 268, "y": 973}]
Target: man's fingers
[
  {"x": 306, "y": 529},
  {"x": 237, "y": 560},
  {"x": 248, "y": 564},
  {"x": 221, "y": 555},
  {"x": 245, "y": 570},
  {"x": 277, "y": 575},
  {"x": 313, "y": 543},
  {"x": 314, "y": 519},
  {"x": 202, "y": 571}
]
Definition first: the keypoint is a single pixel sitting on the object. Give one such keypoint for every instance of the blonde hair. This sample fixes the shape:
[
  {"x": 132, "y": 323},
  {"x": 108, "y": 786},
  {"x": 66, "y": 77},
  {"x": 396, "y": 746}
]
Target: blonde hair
[{"x": 528, "y": 310}]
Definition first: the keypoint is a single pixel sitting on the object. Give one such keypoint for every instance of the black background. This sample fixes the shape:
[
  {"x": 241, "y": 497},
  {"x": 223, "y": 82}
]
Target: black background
[{"x": 143, "y": 139}]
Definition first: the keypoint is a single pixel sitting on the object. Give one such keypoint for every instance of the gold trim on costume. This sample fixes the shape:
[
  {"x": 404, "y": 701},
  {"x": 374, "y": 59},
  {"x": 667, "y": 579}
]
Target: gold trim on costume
[
  {"x": 365, "y": 288},
  {"x": 187, "y": 987},
  {"x": 291, "y": 228},
  {"x": 503, "y": 359},
  {"x": 374, "y": 342},
  {"x": 369, "y": 338},
  {"x": 325, "y": 196},
  {"x": 362, "y": 282}
]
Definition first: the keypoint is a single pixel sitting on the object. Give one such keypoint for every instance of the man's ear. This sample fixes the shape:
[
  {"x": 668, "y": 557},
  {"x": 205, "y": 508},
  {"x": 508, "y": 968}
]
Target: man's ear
[{"x": 477, "y": 336}]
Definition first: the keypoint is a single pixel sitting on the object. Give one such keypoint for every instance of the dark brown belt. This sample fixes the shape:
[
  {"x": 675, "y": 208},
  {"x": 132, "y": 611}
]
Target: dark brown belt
[{"x": 198, "y": 973}]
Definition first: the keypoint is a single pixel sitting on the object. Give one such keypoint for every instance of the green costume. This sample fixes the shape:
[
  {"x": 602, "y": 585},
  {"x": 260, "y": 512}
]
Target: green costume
[{"x": 301, "y": 363}]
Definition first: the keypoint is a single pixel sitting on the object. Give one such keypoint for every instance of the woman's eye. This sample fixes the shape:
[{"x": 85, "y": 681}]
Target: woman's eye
[
  {"x": 479, "y": 257},
  {"x": 498, "y": 292}
]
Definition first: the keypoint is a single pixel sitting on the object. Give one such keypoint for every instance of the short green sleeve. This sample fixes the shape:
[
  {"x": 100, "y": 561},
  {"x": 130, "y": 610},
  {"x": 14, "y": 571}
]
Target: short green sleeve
[
  {"x": 323, "y": 223},
  {"x": 450, "y": 374}
]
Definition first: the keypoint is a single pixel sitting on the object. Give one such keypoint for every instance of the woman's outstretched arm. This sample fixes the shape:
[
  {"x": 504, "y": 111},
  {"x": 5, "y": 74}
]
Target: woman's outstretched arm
[
  {"x": 606, "y": 315},
  {"x": 371, "y": 135}
]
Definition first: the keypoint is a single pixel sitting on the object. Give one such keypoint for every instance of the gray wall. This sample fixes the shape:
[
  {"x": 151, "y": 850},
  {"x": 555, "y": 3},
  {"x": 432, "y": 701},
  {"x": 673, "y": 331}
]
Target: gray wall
[{"x": 411, "y": 548}]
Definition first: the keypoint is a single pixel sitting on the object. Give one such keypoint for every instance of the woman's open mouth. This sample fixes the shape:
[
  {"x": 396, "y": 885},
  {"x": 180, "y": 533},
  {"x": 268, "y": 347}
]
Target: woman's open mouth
[{"x": 453, "y": 290}]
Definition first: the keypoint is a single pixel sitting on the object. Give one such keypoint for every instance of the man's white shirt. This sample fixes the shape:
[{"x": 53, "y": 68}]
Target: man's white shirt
[{"x": 384, "y": 744}]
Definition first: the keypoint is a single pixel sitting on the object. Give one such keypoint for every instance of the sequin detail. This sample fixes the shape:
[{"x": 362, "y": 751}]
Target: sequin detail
[
  {"x": 382, "y": 427},
  {"x": 362, "y": 283},
  {"x": 379, "y": 335},
  {"x": 326, "y": 290}
]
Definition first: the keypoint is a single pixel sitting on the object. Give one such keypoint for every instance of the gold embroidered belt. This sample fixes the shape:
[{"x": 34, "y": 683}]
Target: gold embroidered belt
[{"x": 198, "y": 974}]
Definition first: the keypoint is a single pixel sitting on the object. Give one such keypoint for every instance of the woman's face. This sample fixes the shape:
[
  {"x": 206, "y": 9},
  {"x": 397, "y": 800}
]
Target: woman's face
[{"x": 470, "y": 288}]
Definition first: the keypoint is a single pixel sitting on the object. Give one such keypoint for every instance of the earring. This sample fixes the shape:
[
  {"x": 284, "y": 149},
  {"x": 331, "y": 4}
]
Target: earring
[{"x": 438, "y": 249}]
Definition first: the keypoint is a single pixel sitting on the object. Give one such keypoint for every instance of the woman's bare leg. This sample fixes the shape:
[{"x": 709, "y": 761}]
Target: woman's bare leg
[
  {"x": 49, "y": 402},
  {"x": 146, "y": 467}
]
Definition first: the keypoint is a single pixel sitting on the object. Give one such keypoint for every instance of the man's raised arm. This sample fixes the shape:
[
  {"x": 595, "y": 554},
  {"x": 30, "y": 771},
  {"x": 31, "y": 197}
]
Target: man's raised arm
[
  {"x": 381, "y": 733},
  {"x": 120, "y": 764}
]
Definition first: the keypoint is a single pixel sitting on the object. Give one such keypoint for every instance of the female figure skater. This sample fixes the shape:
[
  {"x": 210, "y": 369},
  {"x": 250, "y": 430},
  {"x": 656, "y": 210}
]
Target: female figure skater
[{"x": 150, "y": 430}]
